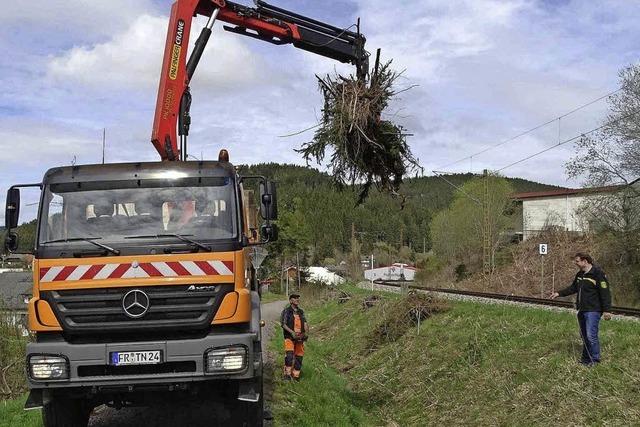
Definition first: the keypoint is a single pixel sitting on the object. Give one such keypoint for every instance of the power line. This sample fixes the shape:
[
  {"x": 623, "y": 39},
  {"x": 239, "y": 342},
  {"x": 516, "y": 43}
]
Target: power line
[
  {"x": 491, "y": 147},
  {"x": 441, "y": 176},
  {"x": 566, "y": 141}
]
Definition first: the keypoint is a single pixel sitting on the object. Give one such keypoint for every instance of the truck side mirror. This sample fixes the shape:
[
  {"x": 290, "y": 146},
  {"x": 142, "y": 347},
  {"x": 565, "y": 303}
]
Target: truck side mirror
[
  {"x": 11, "y": 241},
  {"x": 268, "y": 201},
  {"x": 269, "y": 233},
  {"x": 12, "y": 210}
]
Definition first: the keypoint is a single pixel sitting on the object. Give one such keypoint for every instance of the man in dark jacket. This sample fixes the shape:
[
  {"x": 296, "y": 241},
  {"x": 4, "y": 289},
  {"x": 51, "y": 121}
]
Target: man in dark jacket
[
  {"x": 295, "y": 329},
  {"x": 593, "y": 301}
]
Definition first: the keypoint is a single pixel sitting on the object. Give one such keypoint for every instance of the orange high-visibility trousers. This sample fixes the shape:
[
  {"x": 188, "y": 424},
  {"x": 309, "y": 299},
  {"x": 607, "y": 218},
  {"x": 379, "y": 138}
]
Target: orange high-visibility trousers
[{"x": 293, "y": 352}]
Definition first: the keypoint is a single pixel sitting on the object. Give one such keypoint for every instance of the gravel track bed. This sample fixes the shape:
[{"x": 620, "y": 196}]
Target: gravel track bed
[{"x": 443, "y": 295}]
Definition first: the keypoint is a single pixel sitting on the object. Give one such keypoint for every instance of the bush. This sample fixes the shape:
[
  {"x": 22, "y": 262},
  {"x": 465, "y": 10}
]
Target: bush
[
  {"x": 12, "y": 358},
  {"x": 427, "y": 267},
  {"x": 461, "y": 272},
  {"x": 400, "y": 315}
]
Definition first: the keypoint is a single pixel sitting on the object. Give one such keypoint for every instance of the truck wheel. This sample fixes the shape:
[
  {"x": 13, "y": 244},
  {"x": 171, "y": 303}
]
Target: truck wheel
[
  {"x": 255, "y": 413},
  {"x": 65, "y": 413},
  {"x": 249, "y": 414}
]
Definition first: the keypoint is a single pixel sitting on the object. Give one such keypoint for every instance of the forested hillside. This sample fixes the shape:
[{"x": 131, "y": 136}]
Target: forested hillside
[{"x": 316, "y": 219}]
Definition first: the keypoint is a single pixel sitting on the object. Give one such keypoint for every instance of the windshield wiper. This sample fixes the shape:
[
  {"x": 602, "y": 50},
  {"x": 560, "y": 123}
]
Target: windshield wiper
[
  {"x": 177, "y": 236},
  {"x": 86, "y": 239}
]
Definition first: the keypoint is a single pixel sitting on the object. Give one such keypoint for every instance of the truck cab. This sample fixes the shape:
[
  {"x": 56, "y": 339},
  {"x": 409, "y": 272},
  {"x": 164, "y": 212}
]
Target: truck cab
[{"x": 143, "y": 283}]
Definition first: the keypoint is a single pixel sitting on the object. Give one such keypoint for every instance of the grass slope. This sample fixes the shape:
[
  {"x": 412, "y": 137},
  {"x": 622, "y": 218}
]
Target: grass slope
[
  {"x": 321, "y": 398},
  {"x": 12, "y": 414},
  {"x": 473, "y": 365}
]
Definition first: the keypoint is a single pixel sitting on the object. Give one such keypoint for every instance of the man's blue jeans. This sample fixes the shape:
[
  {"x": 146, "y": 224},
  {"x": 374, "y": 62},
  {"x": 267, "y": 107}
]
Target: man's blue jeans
[{"x": 589, "y": 324}]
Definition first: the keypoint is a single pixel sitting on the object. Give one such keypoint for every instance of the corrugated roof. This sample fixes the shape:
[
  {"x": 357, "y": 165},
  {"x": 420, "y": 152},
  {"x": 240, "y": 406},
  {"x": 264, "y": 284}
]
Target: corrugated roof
[
  {"x": 395, "y": 265},
  {"x": 571, "y": 191},
  {"x": 565, "y": 192}
]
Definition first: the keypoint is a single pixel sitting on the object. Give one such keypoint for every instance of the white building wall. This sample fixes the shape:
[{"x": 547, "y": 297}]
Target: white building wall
[
  {"x": 392, "y": 272},
  {"x": 559, "y": 211},
  {"x": 563, "y": 210}
]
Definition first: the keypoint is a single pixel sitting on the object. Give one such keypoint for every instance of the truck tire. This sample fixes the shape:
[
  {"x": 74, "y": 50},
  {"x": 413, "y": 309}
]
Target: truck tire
[
  {"x": 254, "y": 413},
  {"x": 61, "y": 412},
  {"x": 248, "y": 414}
]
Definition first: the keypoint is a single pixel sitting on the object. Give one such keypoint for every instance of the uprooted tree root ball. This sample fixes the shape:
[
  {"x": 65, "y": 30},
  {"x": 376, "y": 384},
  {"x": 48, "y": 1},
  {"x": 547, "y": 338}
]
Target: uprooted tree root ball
[
  {"x": 401, "y": 315},
  {"x": 366, "y": 149}
]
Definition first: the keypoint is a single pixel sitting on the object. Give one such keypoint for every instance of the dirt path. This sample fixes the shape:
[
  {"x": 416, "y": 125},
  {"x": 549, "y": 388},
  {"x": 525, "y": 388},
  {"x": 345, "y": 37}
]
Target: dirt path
[
  {"x": 191, "y": 414},
  {"x": 270, "y": 314}
]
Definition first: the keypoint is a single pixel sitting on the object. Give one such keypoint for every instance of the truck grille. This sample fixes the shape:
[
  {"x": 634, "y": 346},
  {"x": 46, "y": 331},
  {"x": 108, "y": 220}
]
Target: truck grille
[{"x": 99, "y": 311}]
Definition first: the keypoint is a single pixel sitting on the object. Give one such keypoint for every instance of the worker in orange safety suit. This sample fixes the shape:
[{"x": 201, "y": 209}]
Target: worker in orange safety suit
[{"x": 295, "y": 329}]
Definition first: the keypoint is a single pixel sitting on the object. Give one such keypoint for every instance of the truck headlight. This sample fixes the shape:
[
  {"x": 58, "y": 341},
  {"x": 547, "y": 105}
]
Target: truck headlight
[
  {"x": 48, "y": 367},
  {"x": 227, "y": 359}
]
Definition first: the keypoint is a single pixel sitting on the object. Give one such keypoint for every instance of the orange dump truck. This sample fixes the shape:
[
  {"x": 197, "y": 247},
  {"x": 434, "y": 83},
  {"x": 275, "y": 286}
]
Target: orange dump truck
[{"x": 144, "y": 287}]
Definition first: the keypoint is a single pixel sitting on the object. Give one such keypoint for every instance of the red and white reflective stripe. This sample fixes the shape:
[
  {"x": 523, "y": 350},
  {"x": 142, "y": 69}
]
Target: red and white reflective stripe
[{"x": 143, "y": 269}]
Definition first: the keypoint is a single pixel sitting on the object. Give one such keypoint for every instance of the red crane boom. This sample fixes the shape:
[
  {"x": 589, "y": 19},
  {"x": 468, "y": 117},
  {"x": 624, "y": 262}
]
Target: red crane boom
[{"x": 264, "y": 22}]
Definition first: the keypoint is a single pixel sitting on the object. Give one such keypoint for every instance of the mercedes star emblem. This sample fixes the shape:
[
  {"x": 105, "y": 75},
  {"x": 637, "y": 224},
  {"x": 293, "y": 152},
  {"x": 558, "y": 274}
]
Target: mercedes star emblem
[{"x": 135, "y": 303}]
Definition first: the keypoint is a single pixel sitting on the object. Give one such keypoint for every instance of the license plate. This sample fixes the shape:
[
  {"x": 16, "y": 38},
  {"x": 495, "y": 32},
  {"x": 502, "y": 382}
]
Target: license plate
[{"x": 119, "y": 358}]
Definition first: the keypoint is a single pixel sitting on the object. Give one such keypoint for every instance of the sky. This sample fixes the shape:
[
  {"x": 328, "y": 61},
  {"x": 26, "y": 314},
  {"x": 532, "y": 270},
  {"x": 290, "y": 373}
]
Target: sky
[{"x": 483, "y": 70}]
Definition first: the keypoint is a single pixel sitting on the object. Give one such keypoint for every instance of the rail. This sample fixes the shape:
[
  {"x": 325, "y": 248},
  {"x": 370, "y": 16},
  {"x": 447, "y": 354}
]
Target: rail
[{"x": 623, "y": 311}]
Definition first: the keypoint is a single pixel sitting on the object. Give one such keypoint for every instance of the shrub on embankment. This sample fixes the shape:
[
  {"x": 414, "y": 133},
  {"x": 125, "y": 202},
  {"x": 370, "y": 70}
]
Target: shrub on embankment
[
  {"x": 474, "y": 364},
  {"x": 521, "y": 270},
  {"x": 12, "y": 358}
]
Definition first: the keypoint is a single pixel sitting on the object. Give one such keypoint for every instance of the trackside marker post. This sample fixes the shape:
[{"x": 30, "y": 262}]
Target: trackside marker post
[{"x": 543, "y": 249}]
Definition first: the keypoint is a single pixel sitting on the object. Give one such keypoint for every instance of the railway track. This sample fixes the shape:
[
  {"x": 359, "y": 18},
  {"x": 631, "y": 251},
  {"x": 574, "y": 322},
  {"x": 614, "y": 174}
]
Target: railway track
[{"x": 622, "y": 311}]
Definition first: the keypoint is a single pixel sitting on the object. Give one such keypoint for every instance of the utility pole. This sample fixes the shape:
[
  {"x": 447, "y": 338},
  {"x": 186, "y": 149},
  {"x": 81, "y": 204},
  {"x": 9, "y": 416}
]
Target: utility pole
[
  {"x": 287, "y": 290},
  {"x": 372, "y": 272},
  {"x": 104, "y": 140},
  {"x": 298, "y": 268},
  {"x": 486, "y": 231},
  {"x": 282, "y": 276}
]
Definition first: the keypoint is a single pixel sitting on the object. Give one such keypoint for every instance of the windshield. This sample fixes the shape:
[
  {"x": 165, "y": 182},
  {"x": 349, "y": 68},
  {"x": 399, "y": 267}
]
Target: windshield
[{"x": 202, "y": 208}]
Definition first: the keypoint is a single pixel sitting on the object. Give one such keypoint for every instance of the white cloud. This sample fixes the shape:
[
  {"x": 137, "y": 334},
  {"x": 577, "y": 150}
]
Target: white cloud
[
  {"x": 34, "y": 145},
  {"x": 423, "y": 36},
  {"x": 131, "y": 59},
  {"x": 88, "y": 19}
]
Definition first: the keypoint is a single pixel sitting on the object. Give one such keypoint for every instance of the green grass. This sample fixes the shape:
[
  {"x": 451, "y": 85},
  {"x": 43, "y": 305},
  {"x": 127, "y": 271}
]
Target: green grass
[
  {"x": 12, "y": 414},
  {"x": 271, "y": 297},
  {"x": 12, "y": 351},
  {"x": 476, "y": 364},
  {"x": 321, "y": 398},
  {"x": 13, "y": 383}
]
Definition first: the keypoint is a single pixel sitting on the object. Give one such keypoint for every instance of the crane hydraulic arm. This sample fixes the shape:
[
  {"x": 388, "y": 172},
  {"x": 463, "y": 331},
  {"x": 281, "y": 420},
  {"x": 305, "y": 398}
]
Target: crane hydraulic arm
[{"x": 264, "y": 22}]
